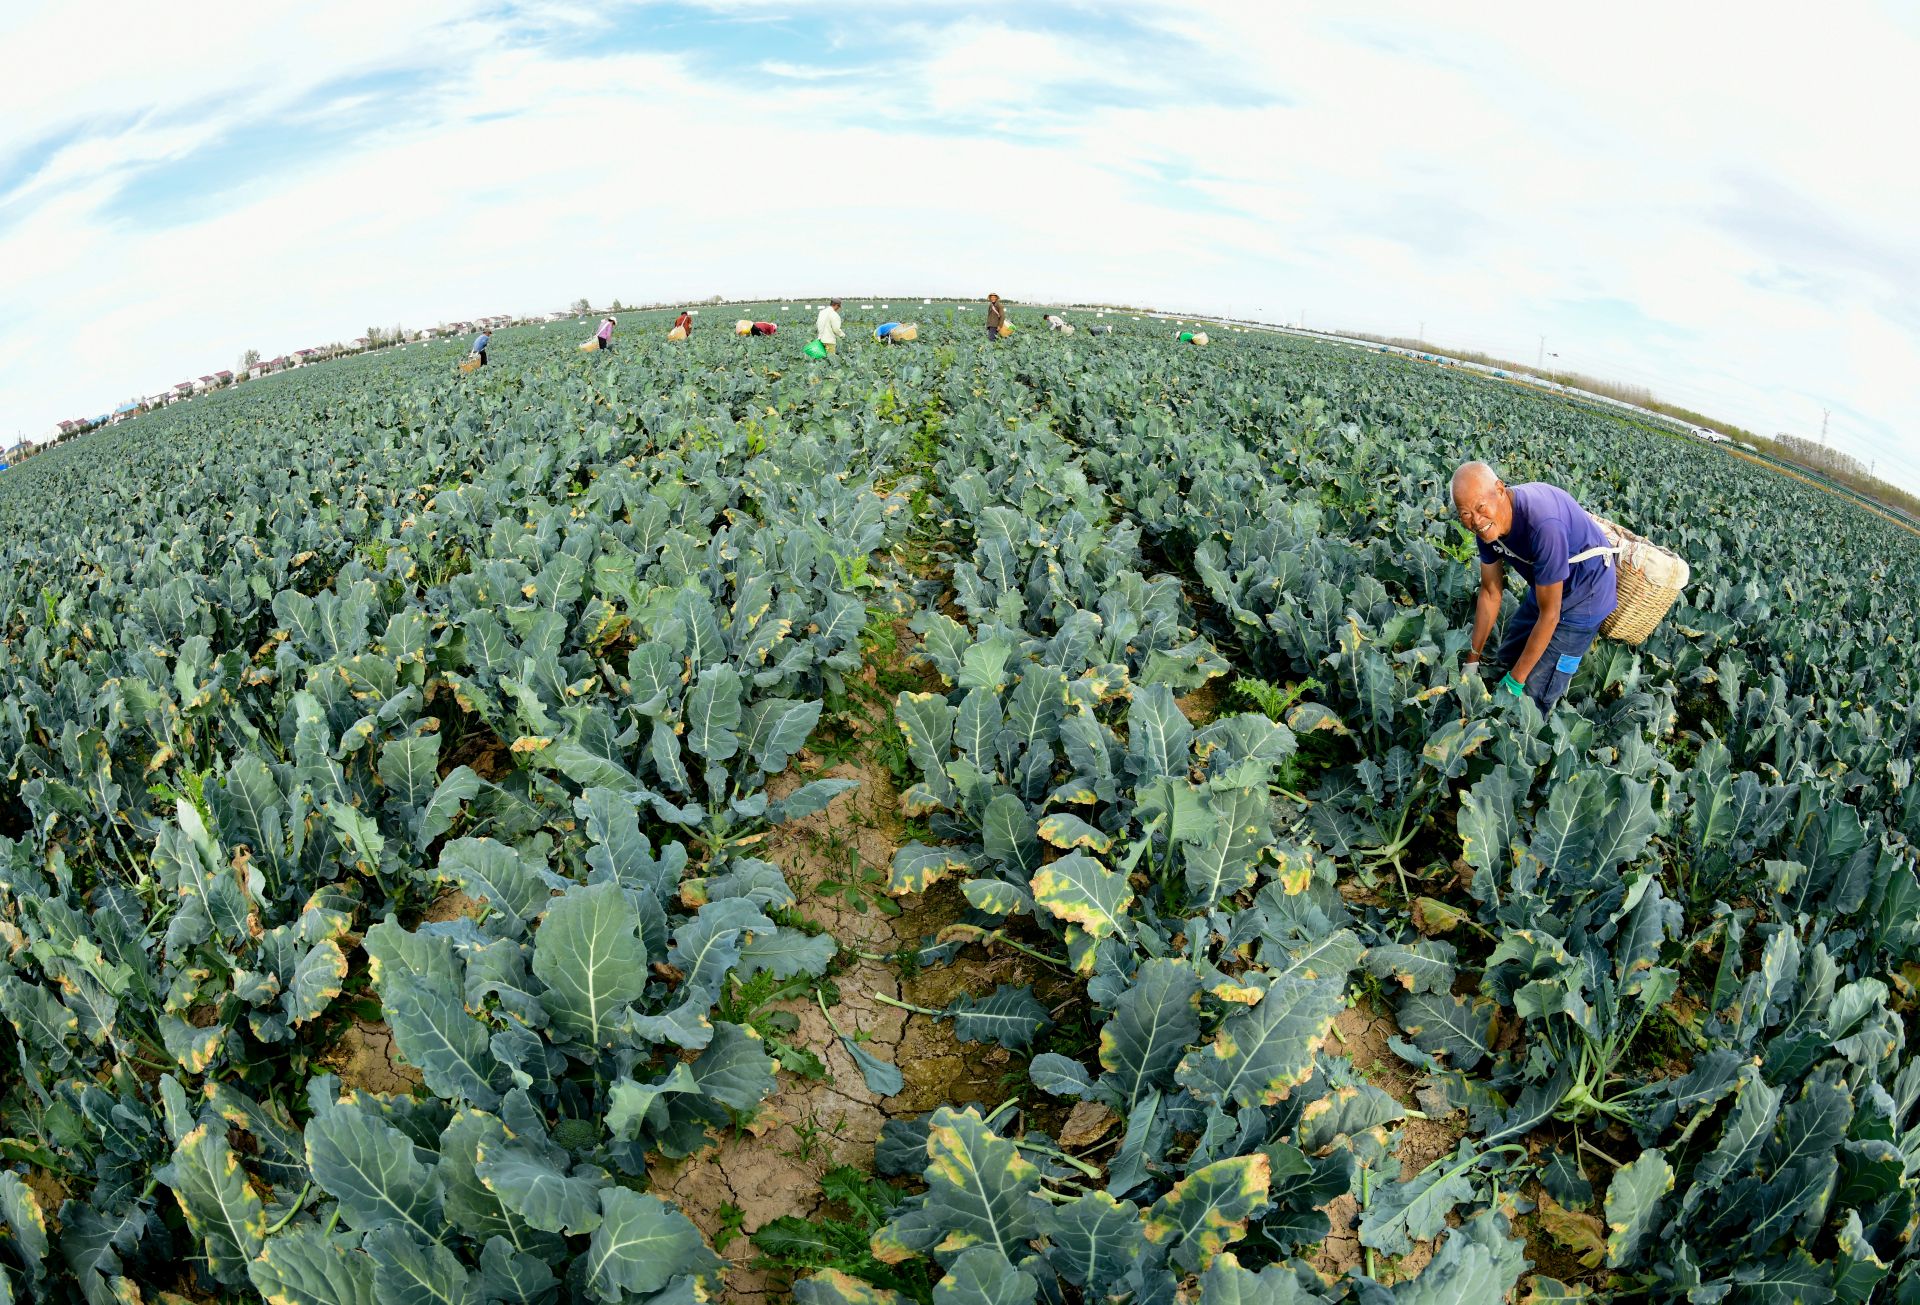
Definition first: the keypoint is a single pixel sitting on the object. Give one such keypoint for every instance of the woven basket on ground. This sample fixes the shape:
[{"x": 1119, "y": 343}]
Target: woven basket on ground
[{"x": 1650, "y": 579}]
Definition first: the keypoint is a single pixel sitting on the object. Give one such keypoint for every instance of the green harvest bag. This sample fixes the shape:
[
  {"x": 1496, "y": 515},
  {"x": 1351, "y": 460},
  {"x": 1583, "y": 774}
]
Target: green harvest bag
[{"x": 815, "y": 349}]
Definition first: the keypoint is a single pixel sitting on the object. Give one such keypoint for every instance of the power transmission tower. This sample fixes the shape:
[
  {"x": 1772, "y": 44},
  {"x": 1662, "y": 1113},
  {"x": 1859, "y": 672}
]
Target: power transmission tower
[
  {"x": 1823, "y": 427},
  {"x": 1541, "y": 360}
]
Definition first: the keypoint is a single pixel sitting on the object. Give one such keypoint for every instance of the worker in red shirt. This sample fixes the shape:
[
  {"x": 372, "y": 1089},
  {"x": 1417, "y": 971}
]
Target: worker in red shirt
[{"x": 684, "y": 321}]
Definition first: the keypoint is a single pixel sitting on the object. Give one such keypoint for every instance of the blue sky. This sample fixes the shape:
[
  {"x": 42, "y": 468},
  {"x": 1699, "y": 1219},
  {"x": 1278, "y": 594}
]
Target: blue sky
[{"x": 1709, "y": 209}]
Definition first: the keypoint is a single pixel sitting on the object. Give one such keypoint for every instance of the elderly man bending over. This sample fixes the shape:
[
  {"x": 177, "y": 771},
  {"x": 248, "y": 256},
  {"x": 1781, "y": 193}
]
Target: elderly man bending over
[{"x": 1562, "y": 554}]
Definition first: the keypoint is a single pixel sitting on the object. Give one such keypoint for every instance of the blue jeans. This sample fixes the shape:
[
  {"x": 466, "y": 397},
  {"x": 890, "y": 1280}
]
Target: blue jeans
[{"x": 1557, "y": 665}]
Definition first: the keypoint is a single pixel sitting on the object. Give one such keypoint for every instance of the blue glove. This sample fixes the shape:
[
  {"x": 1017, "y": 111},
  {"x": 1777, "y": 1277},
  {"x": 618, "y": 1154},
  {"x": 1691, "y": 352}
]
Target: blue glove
[{"x": 1512, "y": 685}]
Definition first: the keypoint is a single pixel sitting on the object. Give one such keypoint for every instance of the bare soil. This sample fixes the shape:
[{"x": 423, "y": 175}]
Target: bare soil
[
  {"x": 451, "y": 905},
  {"x": 365, "y": 1059},
  {"x": 1361, "y": 1033},
  {"x": 1205, "y": 702},
  {"x": 808, "y": 1127}
]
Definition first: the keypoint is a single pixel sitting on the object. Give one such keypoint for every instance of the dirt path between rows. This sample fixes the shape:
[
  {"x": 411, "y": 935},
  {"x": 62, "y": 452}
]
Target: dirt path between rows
[{"x": 808, "y": 1127}]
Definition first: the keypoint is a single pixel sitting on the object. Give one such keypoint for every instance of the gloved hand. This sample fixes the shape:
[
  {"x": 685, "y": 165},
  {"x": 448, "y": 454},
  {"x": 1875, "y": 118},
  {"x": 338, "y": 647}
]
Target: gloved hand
[{"x": 1512, "y": 685}]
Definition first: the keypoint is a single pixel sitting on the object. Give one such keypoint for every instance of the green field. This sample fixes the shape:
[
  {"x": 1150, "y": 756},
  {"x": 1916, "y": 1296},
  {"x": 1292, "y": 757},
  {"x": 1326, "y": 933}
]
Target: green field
[{"x": 953, "y": 822}]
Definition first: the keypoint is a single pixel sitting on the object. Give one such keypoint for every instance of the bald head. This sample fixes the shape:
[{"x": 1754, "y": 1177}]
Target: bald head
[{"x": 1471, "y": 480}]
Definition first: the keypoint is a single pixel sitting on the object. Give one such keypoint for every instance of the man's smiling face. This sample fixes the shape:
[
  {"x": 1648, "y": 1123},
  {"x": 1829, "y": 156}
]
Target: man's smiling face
[{"x": 1484, "y": 506}]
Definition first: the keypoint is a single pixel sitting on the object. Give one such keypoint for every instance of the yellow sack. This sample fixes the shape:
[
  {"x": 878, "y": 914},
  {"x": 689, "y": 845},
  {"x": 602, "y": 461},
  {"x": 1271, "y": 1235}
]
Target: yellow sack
[
  {"x": 590, "y": 345},
  {"x": 677, "y": 333},
  {"x": 1006, "y": 329},
  {"x": 743, "y": 327},
  {"x": 911, "y": 331},
  {"x": 470, "y": 365},
  {"x": 1200, "y": 337}
]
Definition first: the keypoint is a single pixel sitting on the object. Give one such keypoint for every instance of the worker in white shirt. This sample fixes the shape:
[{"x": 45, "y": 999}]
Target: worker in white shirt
[{"x": 827, "y": 326}]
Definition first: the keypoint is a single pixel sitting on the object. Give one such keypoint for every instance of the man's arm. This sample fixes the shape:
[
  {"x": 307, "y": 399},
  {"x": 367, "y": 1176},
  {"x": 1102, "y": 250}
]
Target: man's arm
[
  {"x": 1486, "y": 606},
  {"x": 1548, "y": 597}
]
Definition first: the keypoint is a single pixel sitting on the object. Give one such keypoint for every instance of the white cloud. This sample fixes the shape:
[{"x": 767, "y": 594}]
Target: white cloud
[{"x": 1736, "y": 185}]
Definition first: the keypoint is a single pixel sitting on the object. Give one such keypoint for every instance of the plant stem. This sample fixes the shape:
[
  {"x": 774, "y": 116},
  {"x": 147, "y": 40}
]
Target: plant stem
[
  {"x": 907, "y": 1005},
  {"x": 822, "y": 999},
  {"x": 1091, "y": 1171},
  {"x": 292, "y": 1210},
  {"x": 1366, "y": 1184},
  {"x": 1000, "y": 936},
  {"x": 1582, "y": 1144}
]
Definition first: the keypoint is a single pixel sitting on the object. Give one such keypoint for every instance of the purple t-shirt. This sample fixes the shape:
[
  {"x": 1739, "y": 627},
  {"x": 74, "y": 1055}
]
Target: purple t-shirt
[
  {"x": 1548, "y": 528},
  {"x": 606, "y": 330}
]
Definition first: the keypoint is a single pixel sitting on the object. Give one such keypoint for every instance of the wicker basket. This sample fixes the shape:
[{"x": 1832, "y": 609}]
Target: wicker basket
[{"x": 1650, "y": 579}]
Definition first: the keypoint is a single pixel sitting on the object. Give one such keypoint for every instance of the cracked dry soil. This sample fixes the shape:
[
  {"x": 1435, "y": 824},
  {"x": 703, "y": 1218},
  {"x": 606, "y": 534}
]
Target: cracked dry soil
[
  {"x": 808, "y": 1127},
  {"x": 365, "y": 1059},
  {"x": 1363, "y": 1034}
]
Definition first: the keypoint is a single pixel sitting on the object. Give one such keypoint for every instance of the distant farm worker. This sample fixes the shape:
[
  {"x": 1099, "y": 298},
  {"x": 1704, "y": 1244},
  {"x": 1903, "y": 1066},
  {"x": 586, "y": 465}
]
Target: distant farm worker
[
  {"x": 480, "y": 345},
  {"x": 1055, "y": 321},
  {"x": 684, "y": 321},
  {"x": 1562, "y": 554},
  {"x": 996, "y": 316},
  {"x": 884, "y": 332},
  {"x": 605, "y": 334},
  {"x": 827, "y": 328},
  {"x": 765, "y": 328}
]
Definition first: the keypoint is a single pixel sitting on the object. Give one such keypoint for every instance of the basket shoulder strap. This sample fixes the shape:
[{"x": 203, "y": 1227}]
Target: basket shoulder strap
[{"x": 1607, "y": 551}]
